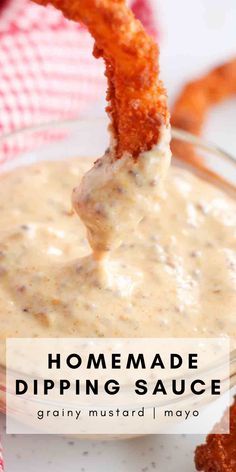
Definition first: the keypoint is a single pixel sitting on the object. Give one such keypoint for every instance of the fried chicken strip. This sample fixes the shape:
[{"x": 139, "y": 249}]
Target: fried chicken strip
[
  {"x": 219, "y": 452},
  {"x": 137, "y": 99},
  {"x": 113, "y": 196}
]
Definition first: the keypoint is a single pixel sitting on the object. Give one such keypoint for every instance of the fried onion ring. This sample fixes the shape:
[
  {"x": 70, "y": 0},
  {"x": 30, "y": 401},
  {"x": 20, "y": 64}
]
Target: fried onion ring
[
  {"x": 191, "y": 107},
  {"x": 219, "y": 452},
  {"x": 137, "y": 99}
]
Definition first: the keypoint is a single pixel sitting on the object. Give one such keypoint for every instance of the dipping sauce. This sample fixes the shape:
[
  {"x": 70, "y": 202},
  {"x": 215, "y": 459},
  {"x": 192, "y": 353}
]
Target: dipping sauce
[{"x": 172, "y": 274}]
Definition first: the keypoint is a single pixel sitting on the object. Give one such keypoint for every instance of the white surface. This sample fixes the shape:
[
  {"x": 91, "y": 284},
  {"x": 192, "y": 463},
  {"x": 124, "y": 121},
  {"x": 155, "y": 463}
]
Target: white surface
[
  {"x": 51, "y": 454},
  {"x": 196, "y": 35}
]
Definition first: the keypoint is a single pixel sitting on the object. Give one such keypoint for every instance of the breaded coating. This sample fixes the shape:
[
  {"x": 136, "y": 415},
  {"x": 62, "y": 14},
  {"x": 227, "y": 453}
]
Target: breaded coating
[{"x": 219, "y": 452}]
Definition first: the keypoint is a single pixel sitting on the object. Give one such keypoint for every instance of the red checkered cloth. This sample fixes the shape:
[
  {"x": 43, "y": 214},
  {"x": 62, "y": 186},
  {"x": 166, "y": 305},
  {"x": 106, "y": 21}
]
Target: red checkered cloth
[
  {"x": 1, "y": 461},
  {"x": 47, "y": 69}
]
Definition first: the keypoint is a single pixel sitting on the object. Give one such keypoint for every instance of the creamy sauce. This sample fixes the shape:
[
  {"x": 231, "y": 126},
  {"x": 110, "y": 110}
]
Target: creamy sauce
[
  {"x": 114, "y": 195},
  {"x": 171, "y": 272}
]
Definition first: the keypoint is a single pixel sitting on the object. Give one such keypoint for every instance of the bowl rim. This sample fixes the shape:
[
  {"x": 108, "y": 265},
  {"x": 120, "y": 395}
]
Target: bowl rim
[{"x": 176, "y": 133}]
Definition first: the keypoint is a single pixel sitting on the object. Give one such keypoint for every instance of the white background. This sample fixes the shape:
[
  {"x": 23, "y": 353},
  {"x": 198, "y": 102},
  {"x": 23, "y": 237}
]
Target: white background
[{"x": 196, "y": 34}]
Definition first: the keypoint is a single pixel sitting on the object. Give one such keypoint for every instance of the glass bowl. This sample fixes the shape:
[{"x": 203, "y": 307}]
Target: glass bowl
[{"x": 89, "y": 138}]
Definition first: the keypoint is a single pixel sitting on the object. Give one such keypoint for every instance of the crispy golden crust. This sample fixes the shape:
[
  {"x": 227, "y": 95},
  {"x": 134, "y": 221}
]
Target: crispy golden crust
[
  {"x": 137, "y": 100},
  {"x": 219, "y": 452},
  {"x": 191, "y": 107}
]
